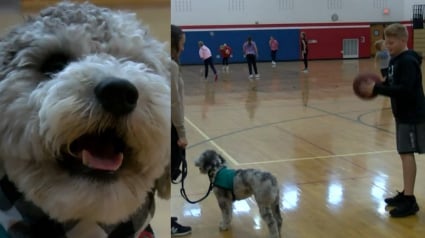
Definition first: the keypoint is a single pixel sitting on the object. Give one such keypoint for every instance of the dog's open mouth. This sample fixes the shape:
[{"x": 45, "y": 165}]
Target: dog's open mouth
[
  {"x": 98, "y": 153},
  {"x": 103, "y": 151}
]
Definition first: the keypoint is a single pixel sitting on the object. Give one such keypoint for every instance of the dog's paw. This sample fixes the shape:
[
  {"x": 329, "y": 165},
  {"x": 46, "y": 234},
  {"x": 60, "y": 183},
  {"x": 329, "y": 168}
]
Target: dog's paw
[{"x": 224, "y": 226}]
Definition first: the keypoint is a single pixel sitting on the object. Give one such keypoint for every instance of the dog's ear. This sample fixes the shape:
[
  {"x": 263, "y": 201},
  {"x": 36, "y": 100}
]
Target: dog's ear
[{"x": 222, "y": 160}]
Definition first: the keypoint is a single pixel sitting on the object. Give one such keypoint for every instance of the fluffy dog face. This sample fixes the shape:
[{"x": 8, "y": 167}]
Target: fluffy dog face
[
  {"x": 209, "y": 161},
  {"x": 85, "y": 104}
]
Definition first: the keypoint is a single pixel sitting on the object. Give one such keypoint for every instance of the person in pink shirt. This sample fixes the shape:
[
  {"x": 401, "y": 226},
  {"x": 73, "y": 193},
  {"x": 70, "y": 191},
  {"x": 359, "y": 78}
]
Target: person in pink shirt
[
  {"x": 250, "y": 52},
  {"x": 206, "y": 56},
  {"x": 274, "y": 46}
]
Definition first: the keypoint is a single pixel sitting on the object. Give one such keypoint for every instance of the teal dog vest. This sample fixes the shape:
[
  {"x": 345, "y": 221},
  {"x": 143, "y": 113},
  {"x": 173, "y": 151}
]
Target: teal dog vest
[{"x": 224, "y": 178}]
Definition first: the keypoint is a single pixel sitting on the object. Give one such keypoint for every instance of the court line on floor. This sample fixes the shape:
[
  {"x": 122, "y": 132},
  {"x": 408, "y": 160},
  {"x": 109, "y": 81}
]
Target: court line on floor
[
  {"x": 256, "y": 127},
  {"x": 207, "y": 138},
  {"x": 317, "y": 157}
]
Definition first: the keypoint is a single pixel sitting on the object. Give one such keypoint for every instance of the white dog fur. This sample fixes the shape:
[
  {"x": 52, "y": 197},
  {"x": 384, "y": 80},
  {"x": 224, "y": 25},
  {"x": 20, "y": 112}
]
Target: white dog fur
[{"x": 44, "y": 112}]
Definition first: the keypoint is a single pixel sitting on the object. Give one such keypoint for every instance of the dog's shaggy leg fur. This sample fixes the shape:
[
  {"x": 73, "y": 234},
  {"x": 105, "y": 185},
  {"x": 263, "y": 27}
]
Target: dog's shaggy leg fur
[
  {"x": 225, "y": 201},
  {"x": 272, "y": 223},
  {"x": 277, "y": 215}
]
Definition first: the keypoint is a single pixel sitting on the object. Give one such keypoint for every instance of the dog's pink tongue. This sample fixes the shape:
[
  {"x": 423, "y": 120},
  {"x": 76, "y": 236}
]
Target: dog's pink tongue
[{"x": 111, "y": 163}]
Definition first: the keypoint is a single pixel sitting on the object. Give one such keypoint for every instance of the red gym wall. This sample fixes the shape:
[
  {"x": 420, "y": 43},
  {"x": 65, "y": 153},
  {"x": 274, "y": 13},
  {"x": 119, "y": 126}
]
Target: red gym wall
[{"x": 329, "y": 40}]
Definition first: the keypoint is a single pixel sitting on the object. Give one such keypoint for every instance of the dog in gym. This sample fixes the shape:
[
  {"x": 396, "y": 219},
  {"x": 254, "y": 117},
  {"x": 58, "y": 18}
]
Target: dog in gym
[{"x": 230, "y": 185}]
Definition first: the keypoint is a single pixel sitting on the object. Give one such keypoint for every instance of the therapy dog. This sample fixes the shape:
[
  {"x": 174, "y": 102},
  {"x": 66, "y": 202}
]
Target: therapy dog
[
  {"x": 230, "y": 185},
  {"x": 85, "y": 127}
]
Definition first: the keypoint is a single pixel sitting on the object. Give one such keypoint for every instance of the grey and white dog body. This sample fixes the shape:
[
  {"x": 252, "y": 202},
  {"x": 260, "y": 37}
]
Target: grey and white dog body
[{"x": 245, "y": 182}]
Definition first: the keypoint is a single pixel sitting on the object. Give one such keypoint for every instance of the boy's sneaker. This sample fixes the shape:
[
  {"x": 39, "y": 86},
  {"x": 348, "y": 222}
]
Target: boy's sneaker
[
  {"x": 397, "y": 199},
  {"x": 405, "y": 208},
  {"x": 257, "y": 76},
  {"x": 179, "y": 230}
]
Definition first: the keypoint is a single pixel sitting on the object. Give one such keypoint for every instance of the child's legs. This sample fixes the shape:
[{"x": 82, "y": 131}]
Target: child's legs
[
  {"x": 206, "y": 68},
  {"x": 210, "y": 62},
  {"x": 206, "y": 64},
  {"x": 305, "y": 60},
  {"x": 226, "y": 61},
  {"x": 410, "y": 140},
  {"x": 409, "y": 173},
  {"x": 254, "y": 64},
  {"x": 274, "y": 55},
  {"x": 249, "y": 60}
]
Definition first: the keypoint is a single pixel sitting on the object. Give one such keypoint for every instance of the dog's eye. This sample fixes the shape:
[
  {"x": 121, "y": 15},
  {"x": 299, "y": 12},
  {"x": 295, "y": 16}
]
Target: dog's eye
[{"x": 54, "y": 63}]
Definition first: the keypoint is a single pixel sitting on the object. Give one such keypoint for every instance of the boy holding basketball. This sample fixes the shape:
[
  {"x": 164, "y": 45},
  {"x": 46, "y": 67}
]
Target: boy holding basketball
[{"x": 403, "y": 85}]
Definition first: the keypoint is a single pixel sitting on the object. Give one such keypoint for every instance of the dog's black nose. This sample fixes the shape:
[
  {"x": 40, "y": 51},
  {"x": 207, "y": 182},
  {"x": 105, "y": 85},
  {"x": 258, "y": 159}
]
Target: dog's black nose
[{"x": 117, "y": 96}]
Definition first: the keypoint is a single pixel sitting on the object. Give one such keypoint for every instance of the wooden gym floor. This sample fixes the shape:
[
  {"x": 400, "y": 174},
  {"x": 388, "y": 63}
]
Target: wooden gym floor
[{"x": 333, "y": 154}]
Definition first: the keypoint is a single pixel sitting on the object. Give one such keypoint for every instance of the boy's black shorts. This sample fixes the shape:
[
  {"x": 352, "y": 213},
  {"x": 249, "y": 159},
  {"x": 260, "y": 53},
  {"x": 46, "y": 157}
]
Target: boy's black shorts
[{"x": 410, "y": 138}]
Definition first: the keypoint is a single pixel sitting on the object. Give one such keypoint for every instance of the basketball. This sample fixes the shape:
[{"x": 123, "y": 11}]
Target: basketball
[{"x": 365, "y": 78}]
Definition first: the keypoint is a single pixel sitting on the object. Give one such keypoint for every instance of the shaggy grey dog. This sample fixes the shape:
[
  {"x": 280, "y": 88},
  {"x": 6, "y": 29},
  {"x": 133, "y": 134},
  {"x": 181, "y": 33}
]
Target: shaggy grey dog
[
  {"x": 85, "y": 127},
  {"x": 231, "y": 185}
]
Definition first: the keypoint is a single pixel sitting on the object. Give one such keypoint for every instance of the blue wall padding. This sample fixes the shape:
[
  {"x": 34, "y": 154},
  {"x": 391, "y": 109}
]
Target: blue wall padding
[{"x": 289, "y": 44}]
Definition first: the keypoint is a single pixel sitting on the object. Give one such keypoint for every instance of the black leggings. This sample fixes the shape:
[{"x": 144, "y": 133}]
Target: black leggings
[
  {"x": 305, "y": 59},
  {"x": 273, "y": 54},
  {"x": 225, "y": 61},
  {"x": 209, "y": 62},
  {"x": 252, "y": 63},
  {"x": 178, "y": 154}
]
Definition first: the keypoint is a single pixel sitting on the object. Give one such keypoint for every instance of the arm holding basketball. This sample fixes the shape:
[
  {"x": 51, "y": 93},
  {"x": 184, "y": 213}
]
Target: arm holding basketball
[
  {"x": 404, "y": 86},
  {"x": 387, "y": 90}
]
